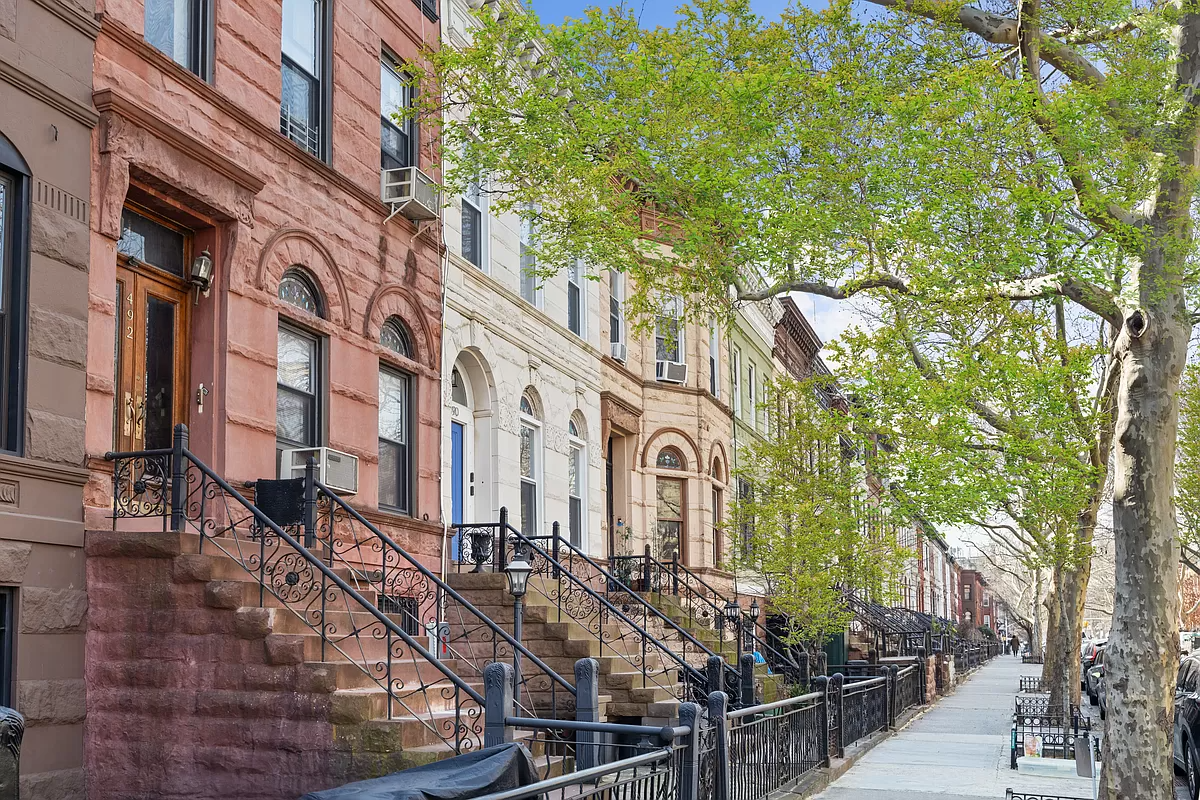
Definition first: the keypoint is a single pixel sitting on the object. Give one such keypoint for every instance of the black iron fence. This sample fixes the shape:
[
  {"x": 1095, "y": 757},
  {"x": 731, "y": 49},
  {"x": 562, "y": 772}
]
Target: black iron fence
[
  {"x": 1013, "y": 794},
  {"x": 1029, "y": 658},
  {"x": 773, "y": 746},
  {"x": 864, "y": 709},
  {"x": 1043, "y": 731},
  {"x": 1032, "y": 684}
]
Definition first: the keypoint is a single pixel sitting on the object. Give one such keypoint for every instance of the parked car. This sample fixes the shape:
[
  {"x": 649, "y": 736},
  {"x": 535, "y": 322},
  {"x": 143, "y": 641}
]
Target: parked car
[
  {"x": 1091, "y": 679},
  {"x": 1087, "y": 659},
  {"x": 1187, "y": 722}
]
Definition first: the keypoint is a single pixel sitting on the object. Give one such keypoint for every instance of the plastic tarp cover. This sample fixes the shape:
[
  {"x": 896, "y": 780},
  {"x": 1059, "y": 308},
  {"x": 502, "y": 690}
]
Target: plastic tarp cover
[{"x": 493, "y": 769}]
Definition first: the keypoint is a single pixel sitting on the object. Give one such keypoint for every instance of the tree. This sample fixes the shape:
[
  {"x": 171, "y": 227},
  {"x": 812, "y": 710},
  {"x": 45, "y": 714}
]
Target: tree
[
  {"x": 809, "y": 525},
  {"x": 929, "y": 150}
]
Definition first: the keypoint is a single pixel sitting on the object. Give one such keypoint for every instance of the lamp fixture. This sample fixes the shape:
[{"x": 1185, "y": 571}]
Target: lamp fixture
[
  {"x": 732, "y": 610},
  {"x": 754, "y": 610},
  {"x": 202, "y": 272},
  {"x": 517, "y": 572}
]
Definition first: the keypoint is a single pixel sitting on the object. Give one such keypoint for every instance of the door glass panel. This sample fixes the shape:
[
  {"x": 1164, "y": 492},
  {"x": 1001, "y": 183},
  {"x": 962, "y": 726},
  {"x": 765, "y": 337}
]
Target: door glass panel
[
  {"x": 147, "y": 241},
  {"x": 160, "y": 372}
]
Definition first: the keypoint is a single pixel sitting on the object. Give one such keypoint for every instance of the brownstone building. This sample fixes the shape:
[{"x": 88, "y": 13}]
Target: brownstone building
[
  {"x": 46, "y": 119},
  {"x": 978, "y": 604},
  {"x": 248, "y": 281}
]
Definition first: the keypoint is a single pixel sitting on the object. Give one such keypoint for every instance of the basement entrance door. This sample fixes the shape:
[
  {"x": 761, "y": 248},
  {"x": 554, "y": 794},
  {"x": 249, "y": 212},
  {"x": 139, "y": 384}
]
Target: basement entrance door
[{"x": 151, "y": 362}]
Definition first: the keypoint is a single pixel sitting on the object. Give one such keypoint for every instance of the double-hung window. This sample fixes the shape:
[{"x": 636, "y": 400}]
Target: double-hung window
[
  {"x": 472, "y": 223},
  {"x": 529, "y": 279},
  {"x": 530, "y": 466},
  {"x": 14, "y": 261},
  {"x": 576, "y": 481},
  {"x": 299, "y": 379},
  {"x": 736, "y": 359},
  {"x": 302, "y": 103},
  {"x": 714, "y": 360},
  {"x": 395, "y": 422},
  {"x": 668, "y": 333},
  {"x": 575, "y": 298},
  {"x": 616, "y": 313},
  {"x": 181, "y": 29},
  {"x": 397, "y": 136},
  {"x": 752, "y": 395}
]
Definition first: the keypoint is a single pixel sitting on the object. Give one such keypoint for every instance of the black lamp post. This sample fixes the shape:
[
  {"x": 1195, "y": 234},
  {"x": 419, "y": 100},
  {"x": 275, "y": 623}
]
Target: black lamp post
[
  {"x": 517, "y": 573},
  {"x": 733, "y": 616},
  {"x": 754, "y": 612}
]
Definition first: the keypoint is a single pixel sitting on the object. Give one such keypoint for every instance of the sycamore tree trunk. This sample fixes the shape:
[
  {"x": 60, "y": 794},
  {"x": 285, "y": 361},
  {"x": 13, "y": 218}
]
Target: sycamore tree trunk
[
  {"x": 1051, "y": 668},
  {"x": 1035, "y": 646},
  {"x": 1142, "y": 654},
  {"x": 1071, "y": 599}
]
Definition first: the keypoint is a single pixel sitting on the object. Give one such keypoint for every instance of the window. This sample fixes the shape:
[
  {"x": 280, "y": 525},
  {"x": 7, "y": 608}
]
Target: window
[
  {"x": 303, "y": 99},
  {"x": 14, "y": 266},
  {"x": 745, "y": 493},
  {"x": 575, "y": 298},
  {"x": 736, "y": 359},
  {"x": 718, "y": 512},
  {"x": 669, "y": 492},
  {"x": 394, "y": 336},
  {"x": 398, "y": 140},
  {"x": 752, "y": 395},
  {"x": 529, "y": 277},
  {"x": 150, "y": 242},
  {"x": 669, "y": 458},
  {"x": 472, "y": 224},
  {"x": 531, "y": 458},
  {"x": 576, "y": 481},
  {"x": 6, "y": 645},
  {"x": 429, "y": 8},
  {"x": 967, "y": 591},
  {"x": 668, "y": 333},
  {"x": 298, "y": 379},
  {"x": 180, "y": 29},
  {"x": 714, "y": 360},
  {"x": 394, "y": 428},
  {"x": 616, "y": 309}
]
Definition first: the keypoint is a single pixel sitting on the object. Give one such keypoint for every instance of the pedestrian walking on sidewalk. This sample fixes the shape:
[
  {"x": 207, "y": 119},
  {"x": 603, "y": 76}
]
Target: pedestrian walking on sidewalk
[{"x": 1016, "y": 646}]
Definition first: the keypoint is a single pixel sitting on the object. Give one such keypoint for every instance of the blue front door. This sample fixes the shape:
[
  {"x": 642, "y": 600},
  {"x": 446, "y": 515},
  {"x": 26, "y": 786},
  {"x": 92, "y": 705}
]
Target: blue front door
[{"x": 457, "y": 470}]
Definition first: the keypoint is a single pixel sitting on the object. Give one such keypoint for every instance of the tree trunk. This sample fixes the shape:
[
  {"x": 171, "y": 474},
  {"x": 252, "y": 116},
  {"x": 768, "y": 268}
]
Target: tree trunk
[
  {"x": 1051, "y": 669},
  {"x": 1071, "y": 599},
  {"x": 1143, "y": 653},
  {"x": 1035, "y": 646}
]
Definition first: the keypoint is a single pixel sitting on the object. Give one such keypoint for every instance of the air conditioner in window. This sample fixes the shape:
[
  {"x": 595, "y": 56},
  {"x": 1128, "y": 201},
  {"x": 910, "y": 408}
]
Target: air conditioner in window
[
  {"x": 410, "y": 192},
  {"x": 670, "y": 372},
  {"x": 620, "y": 351},
  {"x": 335, "y": 469}
]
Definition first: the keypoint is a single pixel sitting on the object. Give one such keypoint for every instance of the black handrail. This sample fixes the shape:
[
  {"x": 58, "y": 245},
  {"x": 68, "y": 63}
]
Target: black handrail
[
  {"x": 141, "y": 491},
  {"x": 558, "y": 542},
  {"x": 388, "y": 542}
]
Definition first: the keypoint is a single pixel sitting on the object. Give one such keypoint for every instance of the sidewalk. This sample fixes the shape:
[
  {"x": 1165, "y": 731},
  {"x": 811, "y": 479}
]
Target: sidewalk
[{"x": 958, "y": 750}]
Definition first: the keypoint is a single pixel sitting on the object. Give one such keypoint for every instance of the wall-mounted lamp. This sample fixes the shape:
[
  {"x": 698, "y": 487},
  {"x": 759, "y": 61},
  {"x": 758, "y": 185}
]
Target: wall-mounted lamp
[{"x": 202, "y": 271}]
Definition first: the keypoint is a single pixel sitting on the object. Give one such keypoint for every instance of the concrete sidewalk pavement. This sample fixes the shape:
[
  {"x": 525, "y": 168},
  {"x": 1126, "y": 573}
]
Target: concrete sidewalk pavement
[{"x": 958, "y": 750}]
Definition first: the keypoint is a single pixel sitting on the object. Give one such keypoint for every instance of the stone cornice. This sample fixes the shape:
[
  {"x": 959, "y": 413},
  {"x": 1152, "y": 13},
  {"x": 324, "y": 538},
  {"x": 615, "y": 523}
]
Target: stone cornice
[
  {"x": 42, "y": 470},
  {"x": 77, "y": 19},
  {"x": 111, "y": 101},
  {"x": 80, "y": 112}
]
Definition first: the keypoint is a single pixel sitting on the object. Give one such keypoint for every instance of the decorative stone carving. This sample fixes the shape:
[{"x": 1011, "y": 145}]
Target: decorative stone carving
[{"x": 12, "y": 731}]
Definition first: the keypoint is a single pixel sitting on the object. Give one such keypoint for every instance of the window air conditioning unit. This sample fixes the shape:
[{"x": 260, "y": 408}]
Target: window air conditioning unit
[
  {"x": 670, "y": 372},
  {"x": 409, "y": 192},
  {"x": 335, "y": 469},
  {"x": 620, "y": 351}
]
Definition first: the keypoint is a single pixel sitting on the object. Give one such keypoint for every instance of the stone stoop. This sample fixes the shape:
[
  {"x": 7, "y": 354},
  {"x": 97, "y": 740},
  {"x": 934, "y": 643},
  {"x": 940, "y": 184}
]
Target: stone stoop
[
  {"x": 561, "y": 635},
  {"x": 197, "y": 689}
]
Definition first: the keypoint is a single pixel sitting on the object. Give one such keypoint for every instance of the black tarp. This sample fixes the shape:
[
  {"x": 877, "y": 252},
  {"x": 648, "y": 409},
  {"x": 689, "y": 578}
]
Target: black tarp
[{"x": 493, "y": 769}]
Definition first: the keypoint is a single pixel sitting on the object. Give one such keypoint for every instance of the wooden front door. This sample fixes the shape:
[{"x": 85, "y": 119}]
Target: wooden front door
[{"x": 151, "y": 359}]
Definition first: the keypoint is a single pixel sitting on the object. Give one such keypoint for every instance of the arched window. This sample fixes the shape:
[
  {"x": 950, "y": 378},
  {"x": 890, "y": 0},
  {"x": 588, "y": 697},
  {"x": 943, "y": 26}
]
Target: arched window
[
  {"x": 577, "y": 480},
  {"x": 296, "y": 288},
  {"x": 670, "y": 458},
  {"x": 718, "y": 511},
  {"x": 394, "y": 336},
  {"x": 531, "y": 465}
]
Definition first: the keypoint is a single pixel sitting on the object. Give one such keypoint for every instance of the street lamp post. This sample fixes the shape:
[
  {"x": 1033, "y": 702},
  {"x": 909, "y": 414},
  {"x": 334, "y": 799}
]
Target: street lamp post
[
  {"x": 517, "y": 574},
  {"x": 733, "y": 616}
]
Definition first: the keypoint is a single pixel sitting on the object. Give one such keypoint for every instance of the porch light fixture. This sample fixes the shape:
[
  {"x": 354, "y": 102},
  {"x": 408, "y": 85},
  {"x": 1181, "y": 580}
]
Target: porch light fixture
[
  {"x": 517, "y": 573},
  {"x": 202, "y": 271},
  {"x": 754, "y": 610},
  {"x": 732, "y": 610}
]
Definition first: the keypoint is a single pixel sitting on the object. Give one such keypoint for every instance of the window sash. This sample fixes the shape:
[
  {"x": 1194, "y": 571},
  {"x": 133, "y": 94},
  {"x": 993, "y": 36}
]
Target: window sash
[
  {"x": 472, "y": 232},
  {"x": 306, "y": 398},
  {"x": 178, "y": 29},
  {"x": 396, "y": 139},
  {"x": 300, "y": 107}
]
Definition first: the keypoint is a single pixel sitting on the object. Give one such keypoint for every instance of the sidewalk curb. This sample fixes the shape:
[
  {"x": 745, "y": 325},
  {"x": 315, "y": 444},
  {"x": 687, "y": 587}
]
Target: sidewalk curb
[{"x": 819, "y": 780}]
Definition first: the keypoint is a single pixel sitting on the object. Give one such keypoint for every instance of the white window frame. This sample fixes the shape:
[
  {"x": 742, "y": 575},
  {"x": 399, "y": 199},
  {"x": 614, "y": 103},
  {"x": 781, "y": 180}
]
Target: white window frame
[
  {"x": 736, "y": 362},
  {"x": 525, "y": 240},
  {"x": 752, "y": 396},
  {"x": 575, "y": 278},
  {"x": 616, "y": 289},
  {"x": 672, "y": 309},
  {"x": 714, "y": 360},
  {"x": 538, "y": 456},
  {"x": 482, "y": 208},
  {"x": 577, "y": 448}
]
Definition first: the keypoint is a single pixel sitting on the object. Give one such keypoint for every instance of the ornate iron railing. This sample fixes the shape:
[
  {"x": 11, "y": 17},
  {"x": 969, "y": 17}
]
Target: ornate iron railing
[
  {"x": 626, "y": 625},
  {"x": 1013, "y": 794},
  {"x": 348, "y": 623},
  {"x": 468, "y": 637},
  {"x": 1032, "y": 684},
  {"x": 773, "y": 746},
  {"x": 649, "y": 776},
  {"x": 1029, "y": 658},
  {"x": 1045, "y": 732},
  {"x": 704, "y": 606},
  {"x": 864, "y": 709},
  {"x": 909, "y": 687}
]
